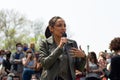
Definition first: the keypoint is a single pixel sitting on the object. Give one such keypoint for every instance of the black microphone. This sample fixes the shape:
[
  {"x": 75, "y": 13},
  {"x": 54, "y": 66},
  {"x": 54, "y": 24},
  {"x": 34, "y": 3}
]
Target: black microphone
[
  {"x": 64, "y": 35},
  {"x": 64, "y": 45}
]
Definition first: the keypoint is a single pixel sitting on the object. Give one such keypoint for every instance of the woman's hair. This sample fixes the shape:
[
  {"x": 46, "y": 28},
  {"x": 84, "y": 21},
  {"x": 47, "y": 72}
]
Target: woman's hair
[
  {"x": 2, "y": 52},
  {"x": 101, "y": 53},
  {"x": 8, "y": 54},
  {"x": 29, "y": 51},
  {"x": 51, "y": 23},
  {"x": 92, "y": 55},
  {"x": 115, "y": 44},
  {"x": 32, "y": 45}
]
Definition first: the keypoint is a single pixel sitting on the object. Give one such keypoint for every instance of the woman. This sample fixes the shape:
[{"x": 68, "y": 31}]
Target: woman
[
  {"x": 92, "y": 67},
  {"x": 32, "y": 47},
  {"x": 29, "y": 65},
  {"x": 55, "y": 54}
]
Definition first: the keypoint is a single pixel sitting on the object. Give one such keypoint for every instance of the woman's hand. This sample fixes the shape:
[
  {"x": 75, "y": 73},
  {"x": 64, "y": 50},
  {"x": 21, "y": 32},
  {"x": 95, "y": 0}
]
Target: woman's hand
[
  {"x": 63, "y": 41},
  {"x": 29, "y": 55},
  {"x": 77, "y": 52}
]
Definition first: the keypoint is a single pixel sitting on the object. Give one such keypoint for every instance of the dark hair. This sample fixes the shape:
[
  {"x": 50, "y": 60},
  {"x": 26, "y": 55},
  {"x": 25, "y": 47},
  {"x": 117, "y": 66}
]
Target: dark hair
[
  {"x": 19, "y": 44},
  {"x": 2, "y": 52},
  {"x": 29, "y": 51},
  {"x": 92, "y": 55},
  {"x": 51, "y": 23},
  {"x": 8, "y": 54},
  {"x": 115, "y": 44}
]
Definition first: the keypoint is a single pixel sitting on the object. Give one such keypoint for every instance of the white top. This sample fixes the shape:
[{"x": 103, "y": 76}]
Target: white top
[{"x": 92, "y": 66}]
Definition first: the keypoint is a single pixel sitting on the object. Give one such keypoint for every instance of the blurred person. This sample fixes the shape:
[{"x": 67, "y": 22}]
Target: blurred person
[
  {"x": 55, "y": 57},
  {"x": 25, "y": 47},
  {"x": 1, "y": 56},
  {"x": 2, "y": 69},
  {"x": 16, "y": 60},
  {"x": 38, "y": 68},
  {"x": 115, "y": 60},
  {"x": 29, "y": 64},
  {"x": 6, "y": 62},
  {"x": 101, "y": 55},
  {"x": 108, "y": 58},
  {"x": 92, "y": 67},
  {"x": 102, "y": 64},
  {"x": 32, "y": 46}
]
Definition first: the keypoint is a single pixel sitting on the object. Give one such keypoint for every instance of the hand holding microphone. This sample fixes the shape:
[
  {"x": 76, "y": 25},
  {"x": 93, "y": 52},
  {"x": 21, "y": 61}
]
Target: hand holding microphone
[{"x": 63, "y": 40}]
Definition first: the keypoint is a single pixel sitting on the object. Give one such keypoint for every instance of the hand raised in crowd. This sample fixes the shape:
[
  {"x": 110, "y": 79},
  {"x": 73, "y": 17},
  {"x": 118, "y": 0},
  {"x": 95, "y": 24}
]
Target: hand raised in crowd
[
  {"x": 77, "y": 52},
  {"x": 29, "y": 55}
]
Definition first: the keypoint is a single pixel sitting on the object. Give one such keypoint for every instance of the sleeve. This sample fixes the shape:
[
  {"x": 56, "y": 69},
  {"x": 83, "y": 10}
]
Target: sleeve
[
  {"x": 46, "y": 58},
  {"x": 12, "y": 58},
  {"x": 4, "y": 63}
]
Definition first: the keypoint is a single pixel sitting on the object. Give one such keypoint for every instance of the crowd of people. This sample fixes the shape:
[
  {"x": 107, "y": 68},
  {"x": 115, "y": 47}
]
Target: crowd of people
[
  {"x": 59, "y": 58},
  {"x": 21, "y": 65}
]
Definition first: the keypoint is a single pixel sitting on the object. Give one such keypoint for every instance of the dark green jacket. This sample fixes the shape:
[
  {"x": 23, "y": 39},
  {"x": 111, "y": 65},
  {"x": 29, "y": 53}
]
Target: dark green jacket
[{"x": 49, "y": 57}]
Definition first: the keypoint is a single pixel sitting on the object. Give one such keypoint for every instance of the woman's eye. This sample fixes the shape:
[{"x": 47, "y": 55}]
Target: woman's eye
[{"x": 60, "y": 25}]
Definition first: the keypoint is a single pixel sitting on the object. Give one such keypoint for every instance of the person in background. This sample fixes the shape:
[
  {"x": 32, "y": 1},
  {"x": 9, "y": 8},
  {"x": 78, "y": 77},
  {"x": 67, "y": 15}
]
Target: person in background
[
  {"x": 32, "y": 46},
  {"x": 115, "y": 60},
  {"x": 38, "y": 68},
  {"x": 92, "y": 67},
  {"x": 29, "y": 65},
  {"x": 2, "y": 58},
  {"x": 102, "y": 63},
  {"x": 108, "y": 58},
  {"x": 55, "y": 54},
  {"x": 6, "y": 62},
  {"x": 101, "y": 55},
  {"x": 25, "y": 47},
  {"x": 16, "y": 60}
]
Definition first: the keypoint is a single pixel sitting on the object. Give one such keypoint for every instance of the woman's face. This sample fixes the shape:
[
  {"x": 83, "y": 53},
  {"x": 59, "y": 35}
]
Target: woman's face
[{"x": 59, "y": 28}]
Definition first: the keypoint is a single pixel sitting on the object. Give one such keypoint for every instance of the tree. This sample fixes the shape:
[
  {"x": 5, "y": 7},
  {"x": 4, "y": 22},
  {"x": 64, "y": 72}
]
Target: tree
[
  {"x": 37, "y": 31},
  {"x": 15, "y": 27},
  {"x": 10, "y": 22}
]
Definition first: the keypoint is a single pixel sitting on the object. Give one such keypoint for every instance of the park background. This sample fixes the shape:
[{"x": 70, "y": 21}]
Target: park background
[{"x": 89, "y": 22}]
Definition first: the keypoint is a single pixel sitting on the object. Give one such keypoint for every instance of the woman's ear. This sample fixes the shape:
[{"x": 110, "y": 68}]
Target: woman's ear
[{"x": 51, "y": 29}]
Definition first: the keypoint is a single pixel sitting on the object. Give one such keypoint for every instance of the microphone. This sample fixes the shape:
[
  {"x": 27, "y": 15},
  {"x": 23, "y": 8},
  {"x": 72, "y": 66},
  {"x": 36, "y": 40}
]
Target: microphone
[{"x": 64, "y": 35}]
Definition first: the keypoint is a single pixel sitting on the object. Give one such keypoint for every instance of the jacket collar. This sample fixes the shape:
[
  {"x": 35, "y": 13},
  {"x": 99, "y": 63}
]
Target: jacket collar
[{"x": 50, "y": 40}]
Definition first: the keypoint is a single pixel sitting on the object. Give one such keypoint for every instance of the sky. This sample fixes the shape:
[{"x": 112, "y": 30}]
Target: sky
[{"x": 89, "y": 22}]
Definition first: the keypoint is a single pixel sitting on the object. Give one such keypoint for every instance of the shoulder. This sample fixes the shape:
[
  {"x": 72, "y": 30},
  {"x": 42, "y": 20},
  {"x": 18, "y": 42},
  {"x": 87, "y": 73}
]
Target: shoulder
[
  {"x": 116, "y": 57},
  {"x": 73, "y": 43},
  {"x": 14, "y": 53},
  {"x": 115, "y": 60},
  {"x": 47, "y": 41},
  {"x": 43, "y": 42}
]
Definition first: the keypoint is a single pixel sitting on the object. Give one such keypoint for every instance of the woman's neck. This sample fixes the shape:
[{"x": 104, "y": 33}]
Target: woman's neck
[{"x": 57, "y": 40}]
